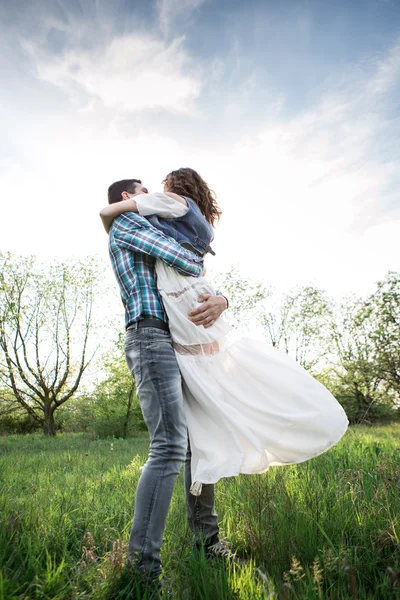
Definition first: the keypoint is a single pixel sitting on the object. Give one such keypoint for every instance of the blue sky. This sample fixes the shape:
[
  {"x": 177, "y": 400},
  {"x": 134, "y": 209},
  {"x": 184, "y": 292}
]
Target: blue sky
[{"x": 290, "y": 110}]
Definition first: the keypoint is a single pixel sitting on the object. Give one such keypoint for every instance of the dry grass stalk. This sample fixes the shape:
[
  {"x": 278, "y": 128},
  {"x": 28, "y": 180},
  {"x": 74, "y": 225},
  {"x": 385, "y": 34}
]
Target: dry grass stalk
[{"x": 88, "y": 550}]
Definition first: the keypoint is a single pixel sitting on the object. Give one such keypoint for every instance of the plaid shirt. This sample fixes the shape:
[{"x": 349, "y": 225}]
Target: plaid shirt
[{"x": 134, "y": 246}]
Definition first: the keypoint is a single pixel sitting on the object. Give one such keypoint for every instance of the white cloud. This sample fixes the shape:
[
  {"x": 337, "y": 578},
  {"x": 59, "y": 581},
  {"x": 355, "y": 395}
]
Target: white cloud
[
  {"x": 63, "y": 185},
  {"x": 130, "y": 73},
  {"x": 305, "y": 199},
  {"x": 170, "y": 10},
  {"x": 388, "y": 72}
]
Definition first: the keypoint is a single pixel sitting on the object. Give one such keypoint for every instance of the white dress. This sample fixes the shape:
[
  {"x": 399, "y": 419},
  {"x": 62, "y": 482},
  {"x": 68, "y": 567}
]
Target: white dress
[{"x": 248, "y": 405}]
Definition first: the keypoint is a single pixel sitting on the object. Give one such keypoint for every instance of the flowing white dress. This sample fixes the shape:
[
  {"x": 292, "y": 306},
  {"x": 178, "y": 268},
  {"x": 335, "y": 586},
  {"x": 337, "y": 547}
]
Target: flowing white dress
[{"x": 248, "y": 405}]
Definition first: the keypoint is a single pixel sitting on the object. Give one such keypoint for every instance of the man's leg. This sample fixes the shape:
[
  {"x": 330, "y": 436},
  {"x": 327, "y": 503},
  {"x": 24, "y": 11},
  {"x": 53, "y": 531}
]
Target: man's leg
[
  {"x": 201, "y": 515},
  {"x": 151, "y": 360}
]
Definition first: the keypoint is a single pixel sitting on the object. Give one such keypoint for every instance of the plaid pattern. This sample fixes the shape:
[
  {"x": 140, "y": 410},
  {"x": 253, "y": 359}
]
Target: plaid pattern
[{"x": 134, "y": 246}]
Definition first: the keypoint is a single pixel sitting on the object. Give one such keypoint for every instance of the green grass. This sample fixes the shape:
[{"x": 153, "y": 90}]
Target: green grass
[{"x": 328, "y": 528}]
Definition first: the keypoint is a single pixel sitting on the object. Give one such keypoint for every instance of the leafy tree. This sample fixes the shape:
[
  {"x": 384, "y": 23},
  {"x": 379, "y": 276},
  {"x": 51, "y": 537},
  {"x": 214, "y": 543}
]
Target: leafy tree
[
  {"x": 245, "y": 296},
  {"x": 111, "y": 406},
  {"x": 297, "y": 323},
  {"x": 353, "y": 346},
  {"x": 45, "y": 322},
  {"x": 382, "y": 309},
  {"x": 13, "y": 418},
  {"x": 358, "y": 378},
  {"x": 116, "y": 403},
  {"x": 8, "y": 404}
]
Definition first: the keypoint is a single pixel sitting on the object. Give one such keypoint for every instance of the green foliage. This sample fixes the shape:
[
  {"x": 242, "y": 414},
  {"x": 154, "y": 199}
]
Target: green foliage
[
  {"x": 245, "y": 295},
  {"x": 328, "y": 528},
  {"x": 21, "y": 424},
  {"x": 297, "y": 323},
  {"x": 382, "y": 309},
  {"x": 112, "y": 407},
  {"x": 356, "y": 406},
  {"x": 46, "y": 318},
  {"x": 45, "y": 323},
  {"x": 352, "y": 346},
  {"x": 13, "y": 419},
  {"x": 366, "y": 337}
]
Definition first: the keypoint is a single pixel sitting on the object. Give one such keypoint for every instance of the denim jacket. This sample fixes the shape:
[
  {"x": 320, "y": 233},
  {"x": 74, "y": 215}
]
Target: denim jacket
[{"x": 191, "y": 231}]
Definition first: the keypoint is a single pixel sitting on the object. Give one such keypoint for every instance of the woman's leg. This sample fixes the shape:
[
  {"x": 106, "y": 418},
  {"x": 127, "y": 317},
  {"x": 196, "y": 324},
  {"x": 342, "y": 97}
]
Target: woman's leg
[{"x": 201, "y": 515}]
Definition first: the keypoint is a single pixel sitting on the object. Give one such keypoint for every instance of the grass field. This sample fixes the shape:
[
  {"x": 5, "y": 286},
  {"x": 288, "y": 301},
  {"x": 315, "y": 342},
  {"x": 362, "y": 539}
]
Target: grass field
[{"x": 326, "y": 529}]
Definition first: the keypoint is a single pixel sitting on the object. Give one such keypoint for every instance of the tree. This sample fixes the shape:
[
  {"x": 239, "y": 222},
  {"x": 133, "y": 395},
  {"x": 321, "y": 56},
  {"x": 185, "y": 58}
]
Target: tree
[
  {"x": 382, "y": 309},
  {"x": 115, "y": 403},
  {"x": 13, "y": 417},
  {"x": 45, "y": 322},
  {"x": 8, "y": 403},
  {"x": 356, "y": 372},
  {"x": 298, "y": 324},
  {"x": 110, "y": 406},
  {"x": 245, "y": 296}
]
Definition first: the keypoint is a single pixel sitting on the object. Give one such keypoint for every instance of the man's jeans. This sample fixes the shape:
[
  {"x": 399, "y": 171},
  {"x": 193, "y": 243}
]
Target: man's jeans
[{"x": 151, "y": 360}]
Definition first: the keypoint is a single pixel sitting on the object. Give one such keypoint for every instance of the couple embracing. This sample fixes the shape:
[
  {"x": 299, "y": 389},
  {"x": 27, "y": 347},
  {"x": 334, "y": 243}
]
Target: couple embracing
[{"x": 220, "y": 403}]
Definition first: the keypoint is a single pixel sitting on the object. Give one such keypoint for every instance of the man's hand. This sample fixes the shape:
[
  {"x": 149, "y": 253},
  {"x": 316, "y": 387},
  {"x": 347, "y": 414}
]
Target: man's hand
[{"x": 210, "y": 310}]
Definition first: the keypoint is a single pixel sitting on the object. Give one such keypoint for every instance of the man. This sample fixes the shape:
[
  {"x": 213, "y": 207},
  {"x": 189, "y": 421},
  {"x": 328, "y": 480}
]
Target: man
[{"x": 134, "y": 245}]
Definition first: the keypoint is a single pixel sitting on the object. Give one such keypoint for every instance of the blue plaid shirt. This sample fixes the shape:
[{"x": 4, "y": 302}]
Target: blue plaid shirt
[{"x": 134, "y": 246}]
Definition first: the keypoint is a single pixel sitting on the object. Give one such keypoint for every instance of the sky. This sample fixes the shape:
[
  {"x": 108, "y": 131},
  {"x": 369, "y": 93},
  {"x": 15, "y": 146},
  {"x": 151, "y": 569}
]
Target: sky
[{"x": 289, "y": 110}]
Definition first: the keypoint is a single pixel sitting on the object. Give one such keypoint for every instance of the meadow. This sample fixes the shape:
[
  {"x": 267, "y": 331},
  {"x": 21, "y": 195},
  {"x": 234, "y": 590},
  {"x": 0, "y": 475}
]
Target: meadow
[{"x": 328, "y": 528}]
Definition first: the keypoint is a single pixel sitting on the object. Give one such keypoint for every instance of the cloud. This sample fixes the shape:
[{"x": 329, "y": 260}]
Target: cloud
[
  {"x": 170, "y": 11},
  {"x": 129, "y": 73},
  {"x": 306, "y": 197},
  {"x": 69, "y": 165},
  {"x": 388, "y": 72},
  {"x": 314, "y": 196}
]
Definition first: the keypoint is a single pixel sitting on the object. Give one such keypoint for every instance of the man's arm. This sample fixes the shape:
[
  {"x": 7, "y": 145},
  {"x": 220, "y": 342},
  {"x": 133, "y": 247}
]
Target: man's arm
[
  {"x": 210, "y": 310},
  {"x": 135, "y": 233}
]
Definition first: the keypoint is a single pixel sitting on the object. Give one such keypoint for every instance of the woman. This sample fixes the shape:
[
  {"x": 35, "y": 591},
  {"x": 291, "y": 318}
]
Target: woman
[{"x": 248, "y": 405}]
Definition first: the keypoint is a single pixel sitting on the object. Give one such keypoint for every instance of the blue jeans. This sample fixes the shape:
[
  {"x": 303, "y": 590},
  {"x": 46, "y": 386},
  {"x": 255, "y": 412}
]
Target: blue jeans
[{"x": 151, "y": 360}]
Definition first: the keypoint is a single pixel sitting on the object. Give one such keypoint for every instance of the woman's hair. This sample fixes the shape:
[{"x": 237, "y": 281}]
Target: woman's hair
[{"x": 187, "y": 182}]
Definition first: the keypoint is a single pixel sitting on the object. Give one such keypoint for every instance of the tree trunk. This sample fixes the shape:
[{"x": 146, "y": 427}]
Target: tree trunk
[
  {"x": 128, "y": 412},
  {"x": 49, "y": 426}
]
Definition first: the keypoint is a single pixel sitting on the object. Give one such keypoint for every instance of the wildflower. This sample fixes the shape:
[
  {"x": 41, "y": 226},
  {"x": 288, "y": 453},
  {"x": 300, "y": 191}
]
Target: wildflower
[
  {"x": 297, "y": 570},
  {"x": 88, "y": 550},
  {"x": 118, "y": 552},
  {"x": 317, "y": 574}
]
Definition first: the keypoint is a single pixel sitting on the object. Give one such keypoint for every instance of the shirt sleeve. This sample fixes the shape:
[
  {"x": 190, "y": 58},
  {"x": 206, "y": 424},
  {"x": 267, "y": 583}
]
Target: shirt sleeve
[
  {"x": 218, "y": 293},
  {"x": 135, "y": 233},
  {"x": 161, "y": 205}
]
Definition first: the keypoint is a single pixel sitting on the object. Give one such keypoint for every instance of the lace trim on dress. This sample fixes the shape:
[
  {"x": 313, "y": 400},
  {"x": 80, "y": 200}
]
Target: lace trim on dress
[
  {"x": 196, "y": 349},
  {"x": 196, "y": 286},
  {"x": 180, "y": 293}
]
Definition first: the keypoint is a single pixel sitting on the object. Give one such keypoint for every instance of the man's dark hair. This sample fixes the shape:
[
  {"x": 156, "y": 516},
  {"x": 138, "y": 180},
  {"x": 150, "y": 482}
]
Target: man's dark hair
[{"x": 115, "y": 190}]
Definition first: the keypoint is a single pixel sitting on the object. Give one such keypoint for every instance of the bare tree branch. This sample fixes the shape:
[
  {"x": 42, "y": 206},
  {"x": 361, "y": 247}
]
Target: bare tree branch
[{"x": 45, "y": 324}]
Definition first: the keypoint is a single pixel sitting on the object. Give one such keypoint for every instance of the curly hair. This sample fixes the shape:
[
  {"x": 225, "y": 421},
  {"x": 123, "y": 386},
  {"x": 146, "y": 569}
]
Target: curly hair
[{"x": 187, "y": 182}]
